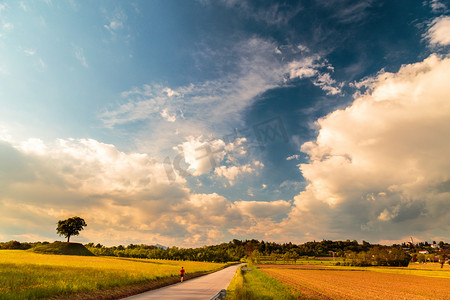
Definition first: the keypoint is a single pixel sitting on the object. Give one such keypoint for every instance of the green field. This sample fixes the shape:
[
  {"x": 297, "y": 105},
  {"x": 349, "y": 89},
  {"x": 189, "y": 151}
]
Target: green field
[
  {"x": 28, "y": 275},
  {"x": 254, "y": 284}
]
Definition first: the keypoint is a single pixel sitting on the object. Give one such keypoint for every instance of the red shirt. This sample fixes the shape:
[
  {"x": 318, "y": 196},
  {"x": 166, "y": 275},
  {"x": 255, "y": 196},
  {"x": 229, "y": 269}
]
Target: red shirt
[{"x": 182, "y": 272}]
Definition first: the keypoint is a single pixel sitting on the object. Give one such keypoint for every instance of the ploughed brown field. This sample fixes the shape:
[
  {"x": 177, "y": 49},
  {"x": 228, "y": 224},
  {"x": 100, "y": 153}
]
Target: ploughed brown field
[{"x": 322, "y": 283}]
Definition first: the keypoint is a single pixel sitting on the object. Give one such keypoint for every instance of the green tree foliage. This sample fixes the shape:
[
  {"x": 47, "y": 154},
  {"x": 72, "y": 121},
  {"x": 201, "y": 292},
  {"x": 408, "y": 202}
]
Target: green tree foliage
[
  {"x": 69, "y": 227},
  {"x": 256, "y": 257},
  {"x": 379, "y": 256},
  {"x": 15, "y": 245},
  {"x": 443, "y": 254},
  {"x": 236, "y": 250}
]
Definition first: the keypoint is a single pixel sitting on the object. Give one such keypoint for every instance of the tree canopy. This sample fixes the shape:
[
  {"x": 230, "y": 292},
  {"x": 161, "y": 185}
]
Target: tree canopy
[{"x": 69, "y": 227}]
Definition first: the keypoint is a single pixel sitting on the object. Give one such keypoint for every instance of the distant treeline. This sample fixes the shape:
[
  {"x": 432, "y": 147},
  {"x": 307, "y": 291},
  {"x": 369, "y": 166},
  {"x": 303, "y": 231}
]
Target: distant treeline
[
  {"x": 379, "y": 256},
  {"x": 232, "y": 251},
  {"x": 235, "y": 250},
  {"x": 20, "y": 246}
]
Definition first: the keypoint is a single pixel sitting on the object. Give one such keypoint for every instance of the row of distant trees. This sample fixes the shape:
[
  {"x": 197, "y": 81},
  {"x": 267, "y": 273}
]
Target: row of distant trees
[
  {"x": 259, "y": 251},
  {"x": 232, "y": 251},
  {"x": 379, "y": 256},
  {"x": 353, "y": 252}
]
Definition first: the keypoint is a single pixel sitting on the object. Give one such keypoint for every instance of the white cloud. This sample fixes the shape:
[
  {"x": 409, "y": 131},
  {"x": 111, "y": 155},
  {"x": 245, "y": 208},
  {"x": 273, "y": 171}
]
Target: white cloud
[
  {"x": 116, "y": 21},
  {"x": 439, "y": 31},
  {"x": 326, "y": 83},
  {"x": 212, "y": 107},
  {"x": 437, "y": 6},
  {"x": 29, "y": 52},
  {"x": 379, "y": 167},
  {"x": 124, "y": 197},
  {"x": 232, "y": 172},
  {"x": 389, "y": 214},
  {"x": 310, "y": 67},
  {"x": 218, "y": 101},
  {"x": 33, "y": 145},
  {"x": 201, "y": 156},
  {"x": 165, "y": 114},
  {"x": 295, "y": 156},
  {"x": 79, "y": 55},
  {"x": 304, "y": 68},
  {"x": 262, "y": 210}
]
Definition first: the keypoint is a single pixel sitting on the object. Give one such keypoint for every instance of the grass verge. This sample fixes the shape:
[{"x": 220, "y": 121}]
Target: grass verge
[{"x": 254, "y": 284}]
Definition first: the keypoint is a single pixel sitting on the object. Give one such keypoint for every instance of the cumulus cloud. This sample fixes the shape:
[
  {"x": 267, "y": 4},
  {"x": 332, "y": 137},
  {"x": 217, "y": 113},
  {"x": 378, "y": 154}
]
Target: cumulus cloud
[
  {"x": 439, "y": 31},
  {"x": 295, "y": 156},
  {"x": 232, "y": 172},
  {"x": 201, "y": 156},
  {"x": 380, "y": 166},
  {"x": 124, "y": 197},
  {"x": 223, "y": 156},
  {"x": 262, "y": 210},
  {"x": 318, "y": 69}
]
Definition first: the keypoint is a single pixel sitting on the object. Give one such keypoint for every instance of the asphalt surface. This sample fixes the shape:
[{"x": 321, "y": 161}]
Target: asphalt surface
[{"x": 199, "y": 288}]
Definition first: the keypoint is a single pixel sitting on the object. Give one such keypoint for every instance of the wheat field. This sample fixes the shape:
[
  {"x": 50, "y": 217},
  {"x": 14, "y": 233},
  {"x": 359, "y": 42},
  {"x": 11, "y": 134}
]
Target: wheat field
[
  {"x": 345, "y": 283},
  {"x": 28, "y": 275}
]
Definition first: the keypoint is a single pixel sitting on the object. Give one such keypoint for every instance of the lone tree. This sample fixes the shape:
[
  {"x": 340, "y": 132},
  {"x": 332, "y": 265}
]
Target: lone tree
[{"x": 69, "y": 227}]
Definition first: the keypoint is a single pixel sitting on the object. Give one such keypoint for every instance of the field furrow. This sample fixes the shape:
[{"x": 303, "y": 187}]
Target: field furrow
[{"x": 345, "y": 284}]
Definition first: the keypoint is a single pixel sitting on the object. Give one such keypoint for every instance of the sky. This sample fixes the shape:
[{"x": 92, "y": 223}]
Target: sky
[{"x": 191, "y": 123}]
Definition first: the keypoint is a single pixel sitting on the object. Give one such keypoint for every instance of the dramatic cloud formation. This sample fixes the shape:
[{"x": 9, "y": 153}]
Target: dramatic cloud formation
[
  {"x": 260, "y": 65},
  {"x": 190, "y": 120},
  {"x": 380, "y": 166},
  {"x": 124, "y": 198}
]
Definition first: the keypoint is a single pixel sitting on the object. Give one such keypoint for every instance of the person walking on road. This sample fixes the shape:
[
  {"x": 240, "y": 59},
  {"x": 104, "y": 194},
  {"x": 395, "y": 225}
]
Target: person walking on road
[{"x": 182, "y": 274}]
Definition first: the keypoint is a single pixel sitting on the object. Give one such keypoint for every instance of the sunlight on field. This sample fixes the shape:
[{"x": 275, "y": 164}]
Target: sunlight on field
[
  {"x": 428, "y": 269},
  {"x": 253, "y": 284},
  {"x": 360, "y": 283},
  {"x": 25, "y": 275}
]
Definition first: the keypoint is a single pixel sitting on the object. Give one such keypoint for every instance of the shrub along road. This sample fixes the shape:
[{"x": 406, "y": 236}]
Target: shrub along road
[{"x": 203, "y": 287}]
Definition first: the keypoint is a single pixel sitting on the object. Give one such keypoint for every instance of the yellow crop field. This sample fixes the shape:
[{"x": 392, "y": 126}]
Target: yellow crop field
[
  {"x": 326, "y": 283},
  {"x": 28, "y": 275}
]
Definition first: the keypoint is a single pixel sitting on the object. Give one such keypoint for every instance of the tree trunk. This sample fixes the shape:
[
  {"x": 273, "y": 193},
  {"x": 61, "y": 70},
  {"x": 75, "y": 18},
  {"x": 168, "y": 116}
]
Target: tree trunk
[{"x": 68, "y": 238}]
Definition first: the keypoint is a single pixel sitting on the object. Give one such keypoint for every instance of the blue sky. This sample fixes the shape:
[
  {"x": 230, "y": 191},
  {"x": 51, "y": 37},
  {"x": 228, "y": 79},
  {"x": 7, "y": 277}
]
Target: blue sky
[{"x": 195, "y": 122}]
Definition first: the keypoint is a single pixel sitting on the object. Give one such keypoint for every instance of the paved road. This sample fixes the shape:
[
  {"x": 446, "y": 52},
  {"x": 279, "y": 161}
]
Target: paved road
[{"x": 203, "y": 287}]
